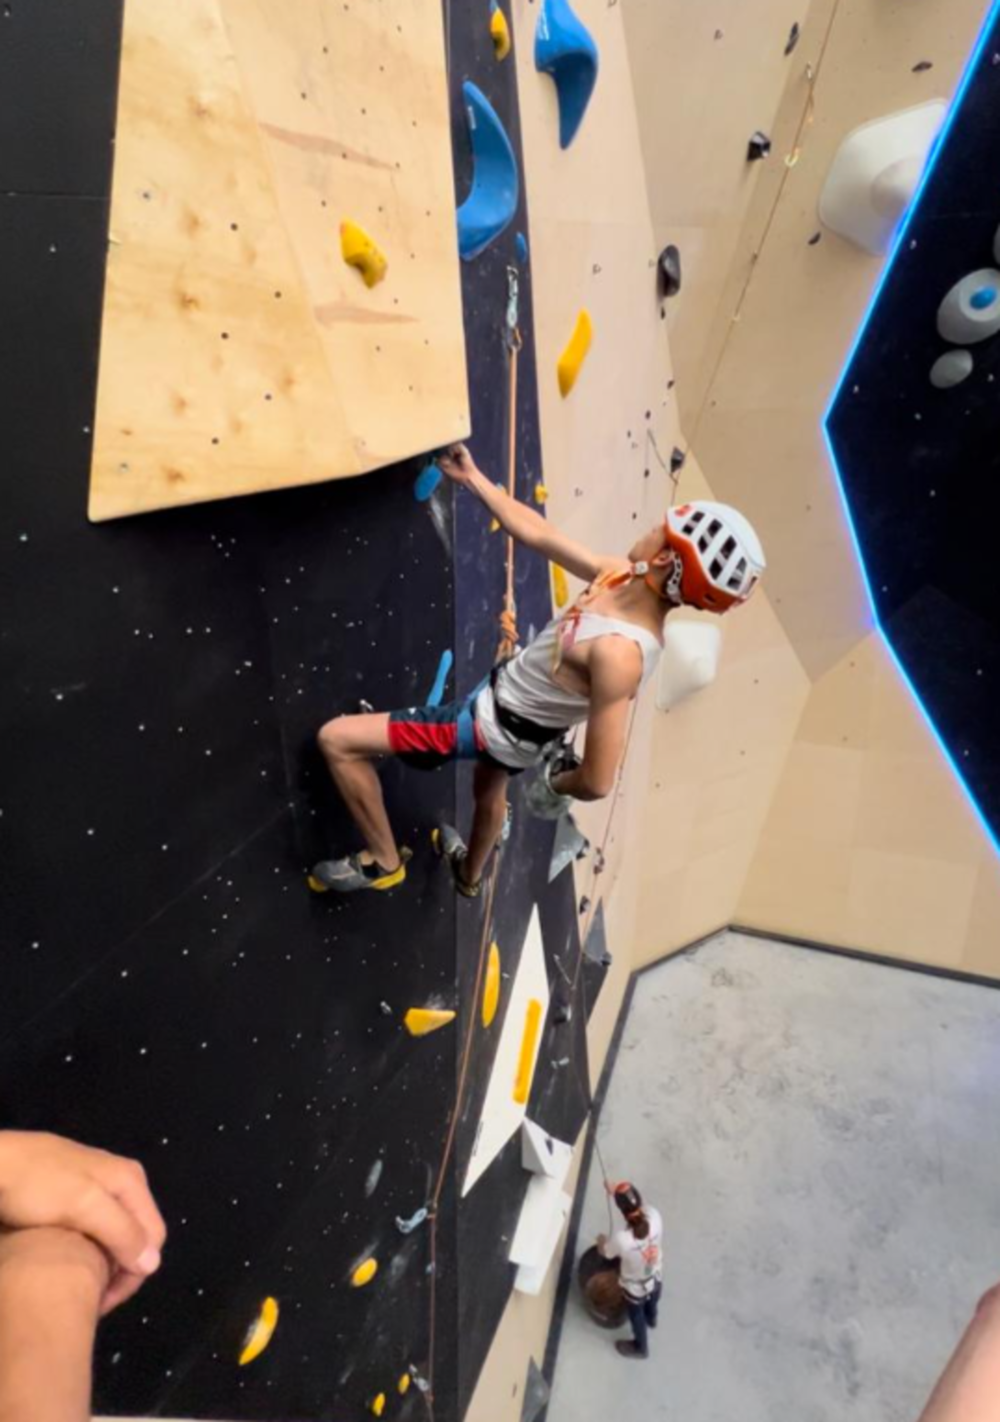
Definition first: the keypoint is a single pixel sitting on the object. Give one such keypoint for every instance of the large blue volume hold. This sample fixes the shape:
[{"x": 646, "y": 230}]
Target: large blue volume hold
[
  {"x": 566, "y": 49},
  {"x": 492, "y": 203}
]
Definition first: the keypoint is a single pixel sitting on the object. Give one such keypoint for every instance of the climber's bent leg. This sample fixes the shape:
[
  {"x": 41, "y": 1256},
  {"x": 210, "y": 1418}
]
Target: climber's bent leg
[
  {"x": 467, "y": 861},
  {"x": 489, "y": 789},
  {"x": 349, "y": 744}
]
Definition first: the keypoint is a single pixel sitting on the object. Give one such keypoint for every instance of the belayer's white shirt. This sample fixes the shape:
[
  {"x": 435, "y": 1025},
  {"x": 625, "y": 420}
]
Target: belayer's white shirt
[{"x": 641, "y": 1260}]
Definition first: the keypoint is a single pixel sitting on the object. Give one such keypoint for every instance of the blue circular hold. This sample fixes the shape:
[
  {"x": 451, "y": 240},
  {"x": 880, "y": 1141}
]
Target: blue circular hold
[
  {"x": 427, "y": 481},
  {"x": 521, "y": 247},
  {"x": 983, "y": 298}
]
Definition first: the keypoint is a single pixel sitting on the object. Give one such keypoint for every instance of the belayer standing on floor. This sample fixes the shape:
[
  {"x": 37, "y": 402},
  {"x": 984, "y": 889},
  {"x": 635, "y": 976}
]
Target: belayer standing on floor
[
  {"x": 639, "y": 1251},
  {"x": 585, "y": 667}
]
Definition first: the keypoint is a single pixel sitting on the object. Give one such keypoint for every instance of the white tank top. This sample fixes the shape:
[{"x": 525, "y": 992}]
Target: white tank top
[{"x": 527, "y": 684}]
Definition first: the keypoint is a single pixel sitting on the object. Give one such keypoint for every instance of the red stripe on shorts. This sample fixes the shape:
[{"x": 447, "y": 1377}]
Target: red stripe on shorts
[{"x": 423, "y": 736}]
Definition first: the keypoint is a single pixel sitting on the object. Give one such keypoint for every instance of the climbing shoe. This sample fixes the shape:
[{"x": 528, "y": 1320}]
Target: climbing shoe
[
  {"x": 451, "y": 846},
  {"x": 349, "y": 875},
  {"x": 628, "y": 1349}
]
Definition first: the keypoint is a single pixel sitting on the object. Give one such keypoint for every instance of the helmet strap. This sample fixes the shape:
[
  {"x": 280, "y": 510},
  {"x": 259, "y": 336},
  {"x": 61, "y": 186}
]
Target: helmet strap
[{"x": 670, "y": 591}]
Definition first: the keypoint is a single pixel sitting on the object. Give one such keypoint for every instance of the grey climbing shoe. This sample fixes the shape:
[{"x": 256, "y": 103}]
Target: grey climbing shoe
[
  {"x": 451, "y": 846},
  {"x": 349, "y": 875}
]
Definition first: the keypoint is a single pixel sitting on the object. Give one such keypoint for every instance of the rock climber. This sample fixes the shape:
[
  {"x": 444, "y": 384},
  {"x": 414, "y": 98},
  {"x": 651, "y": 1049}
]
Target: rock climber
[
  {"x": 639, "y": 1251},
  {"x": 585, "y": 667}
]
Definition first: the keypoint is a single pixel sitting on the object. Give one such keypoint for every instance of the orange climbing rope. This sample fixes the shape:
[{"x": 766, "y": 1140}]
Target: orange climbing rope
[
  {"x": 599, "y": 858},
  {"x": 506, "y": 648},
  {"x": 449, "y": 1145}
]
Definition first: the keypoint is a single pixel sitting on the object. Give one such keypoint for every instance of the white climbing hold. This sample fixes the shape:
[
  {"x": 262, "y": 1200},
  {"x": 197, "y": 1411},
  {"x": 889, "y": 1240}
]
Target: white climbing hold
[{"x": 951, "y": 369}]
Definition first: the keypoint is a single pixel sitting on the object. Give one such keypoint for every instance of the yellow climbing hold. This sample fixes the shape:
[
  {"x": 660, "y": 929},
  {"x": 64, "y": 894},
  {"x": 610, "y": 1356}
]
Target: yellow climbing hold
[
  {"x": 500, "y": 31},
  {"x": 317, "y": 885},
  {"x": 378, "y": 1404},
  {"x": 491, "y": 988},
  {"x": 526, "y": 1060},
  {"x": 560, "y": 587},
  {"x": 575, "y": 353},
  {"x": 359, "y": 250},
  {"x": 541, "y": 493},
  {"x": 494, "y": 525},
  {"x": 421, "y": 1020},
  {"x": 403, "y": 1386},
  {"x": 364, "y": 1273},
  {"x": 260, "y": 1331}
]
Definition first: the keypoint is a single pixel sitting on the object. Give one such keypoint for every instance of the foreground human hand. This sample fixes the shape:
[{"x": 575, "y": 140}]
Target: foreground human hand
[
  {"x": 969, "y": 1388},
  {"x": 47, "y": 1181},
  {"x": 52, "y": 1282},
  {"x": 457, "y": 463}
]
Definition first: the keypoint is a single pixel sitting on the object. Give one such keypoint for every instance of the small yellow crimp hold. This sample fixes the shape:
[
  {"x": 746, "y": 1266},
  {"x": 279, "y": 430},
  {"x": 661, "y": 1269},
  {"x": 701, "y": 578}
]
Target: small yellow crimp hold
[
  {"x": 491, "y": 987},
  {"x": 572, "y": 358},
  {"x": 361, "y": 251},
  {"x": 560, "y": 587},
  {"x": 500, "y": 30},
  {"x": 541, "y": 493},
  {"x": 364, "y": 1273},
  {"x": 377, "y": 1404},
  {"x": 421, "y": 1020},
  {"x": 494, "y": 525},
  {"x": 403, "y": 1386},
  {"x": 260, "y": 1332}
]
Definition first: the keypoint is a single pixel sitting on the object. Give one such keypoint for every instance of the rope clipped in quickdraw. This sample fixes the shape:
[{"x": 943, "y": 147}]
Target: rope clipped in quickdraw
[{"x": 512, "y": 340}]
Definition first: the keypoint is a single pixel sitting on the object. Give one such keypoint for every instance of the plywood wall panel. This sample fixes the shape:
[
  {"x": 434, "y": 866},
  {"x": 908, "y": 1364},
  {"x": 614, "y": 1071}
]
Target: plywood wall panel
[{"x": 239, "y": 352}]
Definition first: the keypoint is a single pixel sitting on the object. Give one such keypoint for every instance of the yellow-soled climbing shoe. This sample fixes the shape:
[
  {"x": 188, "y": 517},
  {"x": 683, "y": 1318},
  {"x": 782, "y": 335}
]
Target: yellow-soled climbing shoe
[
  {"x": 450, "y": 845},
  {"x": 349, "y": 875}
]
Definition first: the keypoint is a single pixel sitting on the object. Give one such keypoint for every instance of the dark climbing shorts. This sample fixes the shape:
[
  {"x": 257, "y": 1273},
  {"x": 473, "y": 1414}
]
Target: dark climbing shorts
[{"x": 428, "y": 736}]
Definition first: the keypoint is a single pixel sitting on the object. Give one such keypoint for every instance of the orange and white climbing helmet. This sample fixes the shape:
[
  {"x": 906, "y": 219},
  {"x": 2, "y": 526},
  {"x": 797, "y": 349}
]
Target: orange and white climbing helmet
[{"x": 719, "y": 556}]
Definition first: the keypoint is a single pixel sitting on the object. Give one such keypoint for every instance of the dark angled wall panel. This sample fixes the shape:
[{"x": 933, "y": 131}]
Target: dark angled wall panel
[{"x": 920, "y": 465}]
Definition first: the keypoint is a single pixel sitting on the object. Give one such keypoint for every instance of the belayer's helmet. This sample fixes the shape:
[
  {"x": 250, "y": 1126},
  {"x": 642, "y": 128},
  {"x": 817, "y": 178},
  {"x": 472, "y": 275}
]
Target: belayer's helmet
[
  {"x": 628, "y": 1199},
  {"x": 719, "y": 556}
]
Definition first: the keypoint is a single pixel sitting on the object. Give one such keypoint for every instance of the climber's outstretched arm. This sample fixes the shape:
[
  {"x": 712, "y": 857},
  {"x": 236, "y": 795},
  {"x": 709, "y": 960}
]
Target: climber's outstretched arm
[{"x": 522, "y": 522}]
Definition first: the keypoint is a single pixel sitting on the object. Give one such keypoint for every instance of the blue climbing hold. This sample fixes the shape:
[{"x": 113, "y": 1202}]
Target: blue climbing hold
[
  {"x": 983, "y": 298},
  {"x": 565, "y": 48},
  {"x": 427, "y": 481},
  {"x": 491, "y": 204},
  {"x": 521, "y": 248},
  {"x": 441, "y": 680}
]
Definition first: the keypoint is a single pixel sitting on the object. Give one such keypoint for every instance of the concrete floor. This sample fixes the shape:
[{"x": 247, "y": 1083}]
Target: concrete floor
[{"x": 823, "y": 1139}]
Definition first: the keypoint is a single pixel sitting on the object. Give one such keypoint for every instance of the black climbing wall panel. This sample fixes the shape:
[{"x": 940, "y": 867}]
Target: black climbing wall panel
[
  {"x": 171, "y": 990},
  {"x": 920, "y": 466}
]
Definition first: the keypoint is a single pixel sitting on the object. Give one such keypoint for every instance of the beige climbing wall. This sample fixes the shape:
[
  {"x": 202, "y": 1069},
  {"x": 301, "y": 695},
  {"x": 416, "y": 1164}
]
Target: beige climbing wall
[
  {"x": 593, "y": 247},
  {"x": 869, "y": 841},
  {"x": 239, "y": 353},
  {"x": 802, "y": 792},
  {"x": 706, "y": 76}
]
